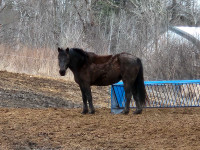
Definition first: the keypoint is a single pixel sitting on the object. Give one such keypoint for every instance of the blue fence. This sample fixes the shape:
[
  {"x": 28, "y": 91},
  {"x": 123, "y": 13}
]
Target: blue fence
[{"x": 161, "y": 94}]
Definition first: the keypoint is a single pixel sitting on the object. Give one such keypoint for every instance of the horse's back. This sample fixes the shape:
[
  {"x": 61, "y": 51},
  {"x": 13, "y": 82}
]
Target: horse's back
[
  {"x": 127, "y": 57},
  {"x": 99, "y": 59},
  {"x": 109, "y": 69}
]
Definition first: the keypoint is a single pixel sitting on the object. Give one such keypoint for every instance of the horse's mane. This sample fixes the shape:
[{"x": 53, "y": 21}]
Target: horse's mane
[
  {"x": 90, "y": 56},
  {"x": 79, "y": 52}
]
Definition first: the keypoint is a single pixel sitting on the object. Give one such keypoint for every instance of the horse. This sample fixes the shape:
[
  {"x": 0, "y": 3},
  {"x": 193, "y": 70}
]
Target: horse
[{"x": 91, "y": 69}]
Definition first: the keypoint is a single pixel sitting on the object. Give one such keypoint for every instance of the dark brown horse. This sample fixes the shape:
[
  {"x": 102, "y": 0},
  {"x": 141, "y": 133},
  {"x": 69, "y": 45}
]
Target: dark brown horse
[{"x": 91, "y": 69}]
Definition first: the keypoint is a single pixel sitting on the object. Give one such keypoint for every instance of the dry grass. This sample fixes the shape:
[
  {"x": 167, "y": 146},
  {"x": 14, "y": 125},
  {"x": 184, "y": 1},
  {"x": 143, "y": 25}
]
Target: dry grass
[{"x": 42, "y": 62}]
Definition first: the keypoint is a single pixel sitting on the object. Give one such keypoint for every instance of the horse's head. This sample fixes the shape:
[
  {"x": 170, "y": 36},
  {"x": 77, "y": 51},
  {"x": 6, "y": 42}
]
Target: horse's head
[{"x": 63, "y": 60}]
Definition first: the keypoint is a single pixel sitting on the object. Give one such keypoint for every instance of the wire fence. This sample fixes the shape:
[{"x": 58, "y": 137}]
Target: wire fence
[{"x": 161, "y": 94}]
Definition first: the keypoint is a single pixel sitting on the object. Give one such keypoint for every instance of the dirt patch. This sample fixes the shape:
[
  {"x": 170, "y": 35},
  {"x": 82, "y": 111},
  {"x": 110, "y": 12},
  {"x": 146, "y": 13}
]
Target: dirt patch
[
  {"x": 20, "y": 90},
  {"x": 33, "y": 126},
  {"x": 67, "y": 129}
]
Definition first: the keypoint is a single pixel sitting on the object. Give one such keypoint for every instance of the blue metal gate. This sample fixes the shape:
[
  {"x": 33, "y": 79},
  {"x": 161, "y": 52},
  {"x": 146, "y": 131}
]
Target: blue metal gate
[{"x": 161, "y": 94}]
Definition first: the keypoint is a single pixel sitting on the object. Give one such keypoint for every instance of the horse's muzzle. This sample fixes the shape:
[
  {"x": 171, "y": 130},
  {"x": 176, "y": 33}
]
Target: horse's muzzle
[{"x": 62, "y": 72}]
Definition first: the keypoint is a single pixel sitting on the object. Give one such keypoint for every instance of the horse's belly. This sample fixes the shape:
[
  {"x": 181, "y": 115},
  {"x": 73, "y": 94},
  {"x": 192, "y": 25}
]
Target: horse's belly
[
  {"x": 105, "y": 82},
  {"x": 108, "y": 77}
]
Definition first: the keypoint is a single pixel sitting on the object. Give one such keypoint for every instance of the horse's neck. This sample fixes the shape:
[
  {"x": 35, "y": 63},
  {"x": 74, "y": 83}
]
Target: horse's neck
[{"x": 76, "y": 61}]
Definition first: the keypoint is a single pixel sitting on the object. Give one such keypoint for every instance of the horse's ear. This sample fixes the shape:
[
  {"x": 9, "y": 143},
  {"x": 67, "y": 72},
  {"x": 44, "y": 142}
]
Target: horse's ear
[
  {"x": 59, "y": 49},
  {"x": 67, "y": 50}
]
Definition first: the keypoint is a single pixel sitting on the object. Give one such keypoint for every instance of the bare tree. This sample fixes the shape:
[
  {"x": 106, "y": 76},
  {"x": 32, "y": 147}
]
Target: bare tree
[{"x": 101, "y": 26}]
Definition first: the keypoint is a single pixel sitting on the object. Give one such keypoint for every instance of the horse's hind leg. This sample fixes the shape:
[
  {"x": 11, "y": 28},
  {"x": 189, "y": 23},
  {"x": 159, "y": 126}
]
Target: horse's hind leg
[
  {"x": 128, "y": 95},
  {"x": 136, "y": 98}
]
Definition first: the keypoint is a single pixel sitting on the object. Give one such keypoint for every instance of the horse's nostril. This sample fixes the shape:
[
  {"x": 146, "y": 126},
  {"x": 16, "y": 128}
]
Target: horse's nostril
[{"x": 62, "y": 72}]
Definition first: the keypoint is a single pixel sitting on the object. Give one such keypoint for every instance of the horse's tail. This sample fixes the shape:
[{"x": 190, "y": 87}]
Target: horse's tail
[{"x": 139, "y": 84}]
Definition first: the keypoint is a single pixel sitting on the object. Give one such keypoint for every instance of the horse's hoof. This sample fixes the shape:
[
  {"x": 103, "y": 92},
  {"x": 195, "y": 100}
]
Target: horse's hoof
[
  {"x": 84, "y": 112},
  {"x": 139, "y": 111},
  {"x": 125, "y": 112},
  {"x": 92, "y": 112}
]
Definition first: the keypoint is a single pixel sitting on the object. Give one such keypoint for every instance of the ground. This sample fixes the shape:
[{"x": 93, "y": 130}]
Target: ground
[{"x": 45, "y": 113}]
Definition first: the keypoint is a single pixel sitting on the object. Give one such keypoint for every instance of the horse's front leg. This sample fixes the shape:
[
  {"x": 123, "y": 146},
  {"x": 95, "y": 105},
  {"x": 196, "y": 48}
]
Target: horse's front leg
[
  {"x": 87, "y": 95},
  {"x": 84, "y": 97}
]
